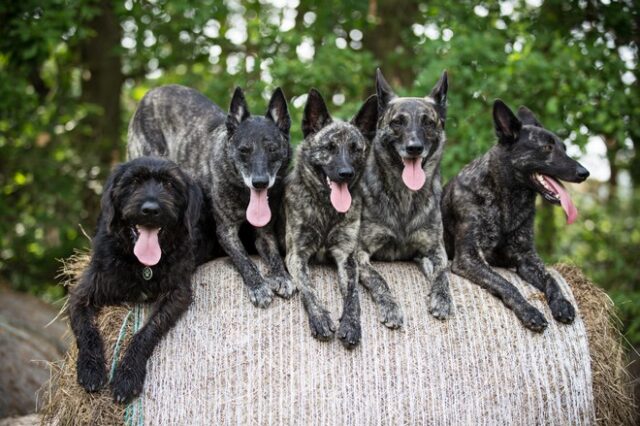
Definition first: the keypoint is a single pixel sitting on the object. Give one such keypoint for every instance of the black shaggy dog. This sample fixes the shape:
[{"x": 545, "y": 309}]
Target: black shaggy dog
[
  {"x": 145, "y": 249},
  {"x": 488, "y": 211}
]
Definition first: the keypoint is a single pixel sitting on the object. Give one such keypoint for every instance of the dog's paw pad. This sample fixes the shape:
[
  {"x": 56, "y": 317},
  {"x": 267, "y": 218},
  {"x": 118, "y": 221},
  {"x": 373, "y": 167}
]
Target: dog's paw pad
[
  {"x": 349, "y": 333},
  {"x": 562, "y": 311},
  {"x": 322, "y": 327},
  {"x": 440, "y": 305},
  {"x": 533, "y": 319},
  {"x": 390, "y": 314},
  {"x": 260, "y": 296},
  {"x": 126, "y": 385},
  {"x": 282, "y": 286},
  {"x": 92, "y": 374}
]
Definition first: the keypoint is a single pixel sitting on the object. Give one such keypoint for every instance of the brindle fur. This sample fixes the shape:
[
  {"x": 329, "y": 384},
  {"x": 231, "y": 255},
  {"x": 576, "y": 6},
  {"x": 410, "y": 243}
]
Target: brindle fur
[
  {"x": 227, "y": 153},
  {"x": 314, "y": 229},
  {"x": 397, "y": 223},
  {"x": 489, "y": 208}
]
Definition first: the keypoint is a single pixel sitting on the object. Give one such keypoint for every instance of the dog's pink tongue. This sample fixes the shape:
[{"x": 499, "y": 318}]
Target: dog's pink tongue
[
  {"x": 340, "y": 196},
  {"x": 565, "y": 200},
  {"x": 413, "y": 176},
  {"x": 147, "y": 248},
  {"x": 258, "y": 211}
]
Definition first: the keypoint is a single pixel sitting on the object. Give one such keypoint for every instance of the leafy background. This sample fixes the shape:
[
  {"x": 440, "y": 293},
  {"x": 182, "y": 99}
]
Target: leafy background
[{"x": 72, "y": 72}]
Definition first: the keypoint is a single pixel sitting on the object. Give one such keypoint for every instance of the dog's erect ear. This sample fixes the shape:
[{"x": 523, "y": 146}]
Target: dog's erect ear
[
  {"x": 526, "y": 116},
  {"x": 367, "y": 118},
  {"x": 107, "y": 201},
  {"x": 278, "y": 111},
  {"x": 238, "y": 111},
  {"x": 439, "y": 91},
  {"x": 316, "y": 115},
  {"x": 194, "y": 206},
  {"x": 506, "y": 123},
  {"x": 384, "y": 91}
]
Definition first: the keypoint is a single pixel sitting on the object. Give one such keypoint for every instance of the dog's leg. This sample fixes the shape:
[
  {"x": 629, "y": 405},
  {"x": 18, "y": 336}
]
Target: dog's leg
[
  {"x": 389, "y": 311},
  {"x": 469, "y": 264},
  {"x": 259, "y": 292},
  {"x": 129, "y": 376},
  {"x": 349, "y": 331},
  {"x": 278, "y": 278},
  {"x": 434, "y": 268},
  {"x": 531, "y": 269},
  {"x": 322, "y": 328},
  {"x": 90, "y": 365}
]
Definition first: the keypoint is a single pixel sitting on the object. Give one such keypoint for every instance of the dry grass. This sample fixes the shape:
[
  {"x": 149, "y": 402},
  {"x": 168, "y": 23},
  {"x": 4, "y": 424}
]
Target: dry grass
[
  {"x": 66, "y": 403},
  {"x": 612, "y": 390}
]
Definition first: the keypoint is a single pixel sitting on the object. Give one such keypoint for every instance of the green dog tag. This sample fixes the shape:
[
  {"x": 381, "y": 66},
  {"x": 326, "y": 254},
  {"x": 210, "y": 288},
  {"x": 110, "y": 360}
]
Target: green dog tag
[{"x": 147, "y": 273}]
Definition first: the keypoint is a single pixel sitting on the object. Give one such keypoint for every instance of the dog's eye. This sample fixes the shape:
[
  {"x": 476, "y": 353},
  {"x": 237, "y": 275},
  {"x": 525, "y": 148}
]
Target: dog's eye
[
  {"x": 272, "y": 148},
  {"x": 245, "y": 150},
  {"x": 397, "y": 122},
  {"x": 332, "y": 146},
  {"x": 353, "y": 147},
  {"x": 547, "y": 148}
]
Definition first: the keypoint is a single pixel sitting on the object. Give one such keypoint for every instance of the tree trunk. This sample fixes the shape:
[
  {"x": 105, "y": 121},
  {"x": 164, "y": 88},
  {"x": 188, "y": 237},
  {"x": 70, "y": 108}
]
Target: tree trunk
[{"x": 102, "y": 84}]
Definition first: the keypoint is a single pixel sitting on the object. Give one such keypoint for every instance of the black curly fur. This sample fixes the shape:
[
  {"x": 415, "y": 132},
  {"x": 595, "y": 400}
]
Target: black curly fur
[{"x": 114, "y": 275}]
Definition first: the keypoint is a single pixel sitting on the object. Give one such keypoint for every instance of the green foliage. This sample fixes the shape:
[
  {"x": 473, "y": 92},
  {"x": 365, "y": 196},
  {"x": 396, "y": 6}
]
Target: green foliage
[{"x": 572, "y": 62}]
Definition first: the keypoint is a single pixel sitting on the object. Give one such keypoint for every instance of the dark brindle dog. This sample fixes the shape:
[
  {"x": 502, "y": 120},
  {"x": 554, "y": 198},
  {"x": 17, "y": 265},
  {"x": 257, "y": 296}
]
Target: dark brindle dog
[
  {"x": 239, "y": 158},
  {"x": 145, "y": 248},
  {"x": 401, "y": 191},
  {"x": 489, "y": 207},
  {"x": 323, "y": 207}
]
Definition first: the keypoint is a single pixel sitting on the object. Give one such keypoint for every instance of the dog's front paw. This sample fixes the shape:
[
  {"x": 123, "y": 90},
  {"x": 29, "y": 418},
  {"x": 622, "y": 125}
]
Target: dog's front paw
[
  {"x": 127, "y": 383},
  {"x": 349, "y": 332},
  {"x": 440, "y": 305},
  {"x": 562, "y": 310},
  {"x": 282, "y": 285},
  {"x": 390, "y": 313},
  {"x": 322, "y": 327},
  {"x": 92, "y": 372},
  {"x": 260, "y": 295},
  {"x": 533, "y": 319}
]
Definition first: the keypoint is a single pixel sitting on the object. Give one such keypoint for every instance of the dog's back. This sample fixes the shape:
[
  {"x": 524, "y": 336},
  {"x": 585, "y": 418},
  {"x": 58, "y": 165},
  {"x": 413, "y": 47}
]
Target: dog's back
[{"x": 174, "y": 122}]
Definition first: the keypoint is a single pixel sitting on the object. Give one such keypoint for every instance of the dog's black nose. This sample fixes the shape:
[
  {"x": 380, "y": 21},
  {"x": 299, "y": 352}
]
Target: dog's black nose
[
  {"x": 415, "y": 148},
  {"x": 260, "y": 182},
  {"x": 346, "y": 172},
  {"x": 582, "y": 172},
  {"x": 150, "y": 208}
]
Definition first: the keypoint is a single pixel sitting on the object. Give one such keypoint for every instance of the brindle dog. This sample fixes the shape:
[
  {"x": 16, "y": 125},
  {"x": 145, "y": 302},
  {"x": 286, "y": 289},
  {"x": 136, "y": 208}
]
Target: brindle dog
[
  {"x": 323, "y": 208},
  {"x": 401, "y": 192},
  {"x": 489, "y": 209}
]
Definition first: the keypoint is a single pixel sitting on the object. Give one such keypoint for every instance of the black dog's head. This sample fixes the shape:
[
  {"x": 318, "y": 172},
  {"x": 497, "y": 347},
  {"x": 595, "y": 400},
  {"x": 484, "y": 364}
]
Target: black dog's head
[
  {"x": 260, "y": 149},
  {"x": 149, "y": 202},
  {"x": 337, "y": 150},
  {"x": 411, "y": 130},
  {"x": 537, "y": 156}
]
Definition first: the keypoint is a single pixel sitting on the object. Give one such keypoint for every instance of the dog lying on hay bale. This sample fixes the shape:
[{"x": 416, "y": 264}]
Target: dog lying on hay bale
[{"x": 227, "y": 363}]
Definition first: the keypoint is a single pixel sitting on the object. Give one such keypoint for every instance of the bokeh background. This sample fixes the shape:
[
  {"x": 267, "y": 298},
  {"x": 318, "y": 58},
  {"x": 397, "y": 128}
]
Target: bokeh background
[{"x": 73, "y": 71}]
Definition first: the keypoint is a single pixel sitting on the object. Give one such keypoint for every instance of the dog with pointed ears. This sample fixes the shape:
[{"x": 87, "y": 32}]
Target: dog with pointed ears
[
  {"x": 401, "y": 190},
  {"x": 489, "y": 210},
  {"x": 323, "y": 208},
  {"x": 241, "y": 161}
]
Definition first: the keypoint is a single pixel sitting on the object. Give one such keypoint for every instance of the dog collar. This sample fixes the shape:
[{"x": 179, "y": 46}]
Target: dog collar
[{"x": 147, "y": 273}]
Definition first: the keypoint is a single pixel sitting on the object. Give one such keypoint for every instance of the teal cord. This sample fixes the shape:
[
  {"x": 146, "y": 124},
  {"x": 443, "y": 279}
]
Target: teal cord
[{"x": 116, "y": 350}]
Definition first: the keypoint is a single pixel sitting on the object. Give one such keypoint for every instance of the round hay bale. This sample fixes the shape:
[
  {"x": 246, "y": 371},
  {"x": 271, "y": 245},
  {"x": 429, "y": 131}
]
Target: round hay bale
[{"x": 227, "y": 362}]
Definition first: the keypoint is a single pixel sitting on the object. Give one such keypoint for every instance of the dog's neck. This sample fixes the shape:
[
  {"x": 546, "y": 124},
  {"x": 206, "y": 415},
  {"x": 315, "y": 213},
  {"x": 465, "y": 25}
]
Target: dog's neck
[{"x": 506, "y": 180}]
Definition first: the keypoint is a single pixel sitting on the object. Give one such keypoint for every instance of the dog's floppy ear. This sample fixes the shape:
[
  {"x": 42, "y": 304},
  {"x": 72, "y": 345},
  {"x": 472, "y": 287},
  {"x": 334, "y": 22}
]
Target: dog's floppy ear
[
  {"x": 526, "y": 116},
  {"x": 384, "y": 91},
  {"x": 366, "y": 119},
  {"x": 194, "y": 205},
  {"x": 439, "y": 95},
  {"x": 316, "y": 115},
  {"x": 238, "y": 111},
  {"x": 506, "y": 123},
  {"x": 107, "y": 201},
  {"x": 278, "y": 112}
]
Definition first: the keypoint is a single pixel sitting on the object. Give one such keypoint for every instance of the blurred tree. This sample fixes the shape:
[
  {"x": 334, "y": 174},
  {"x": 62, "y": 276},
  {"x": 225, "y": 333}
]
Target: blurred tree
[{"x": 72, "y": 72}]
